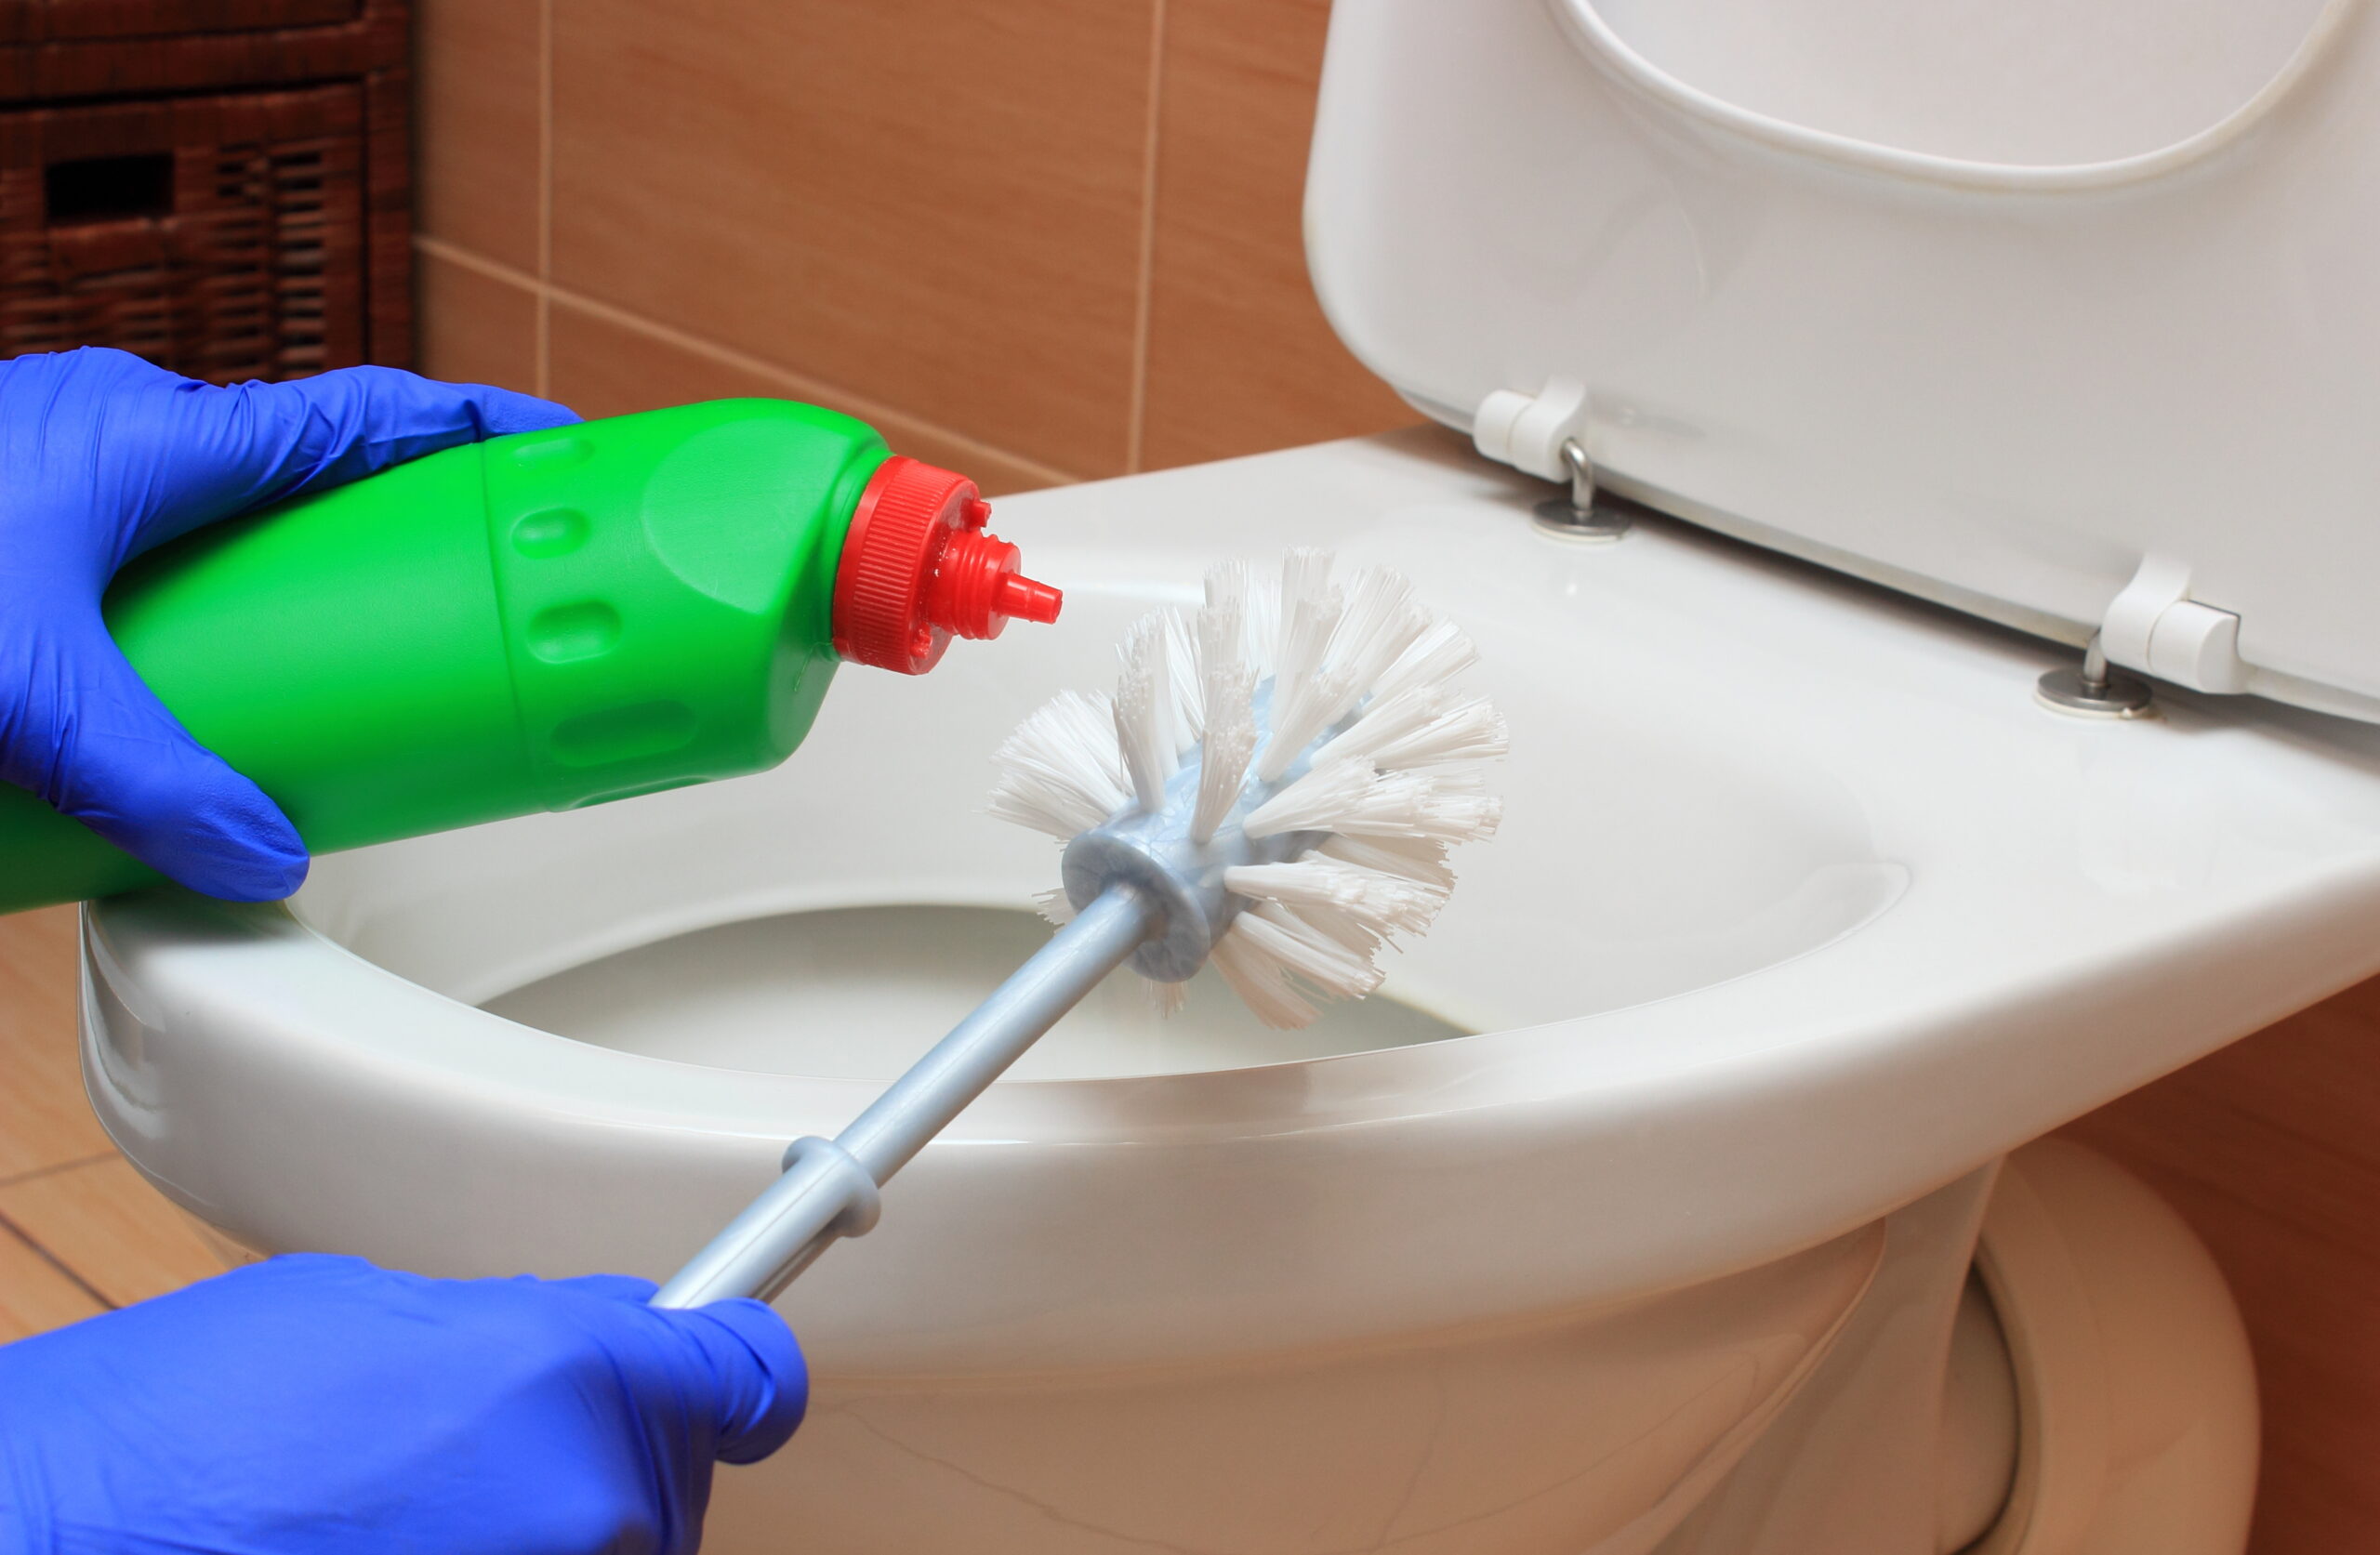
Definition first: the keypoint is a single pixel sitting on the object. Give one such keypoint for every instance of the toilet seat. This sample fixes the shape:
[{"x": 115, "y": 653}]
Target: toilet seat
[{"x": 2112, "y": 393}]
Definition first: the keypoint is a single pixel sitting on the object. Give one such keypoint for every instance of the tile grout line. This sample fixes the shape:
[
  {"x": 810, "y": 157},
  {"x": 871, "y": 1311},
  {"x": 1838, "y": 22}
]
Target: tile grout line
[
  {"x": 65, "y": 1269},
  {"x": 1137, "y": 402},
  {"x": 544, "y": 326},
  {"x": 807, "y": 387}
]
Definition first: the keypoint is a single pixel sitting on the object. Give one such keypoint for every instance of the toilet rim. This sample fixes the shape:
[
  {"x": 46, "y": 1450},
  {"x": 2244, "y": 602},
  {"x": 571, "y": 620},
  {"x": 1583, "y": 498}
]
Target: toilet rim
[
  {"x": 228, "y": 1046},
  {"x": 1881, "y": 990},
  {"x": 286, "y": 1091},
  {"x": 323, "y": 995}
]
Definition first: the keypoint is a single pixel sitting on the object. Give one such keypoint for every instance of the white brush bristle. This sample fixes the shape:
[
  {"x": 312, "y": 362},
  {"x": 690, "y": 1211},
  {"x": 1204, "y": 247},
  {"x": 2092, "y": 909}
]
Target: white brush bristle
[
  {"x": 1380, "y": 905},
  {"x": 1395, "y": 783},
  {"x": 1228, "y": 693},
  {"x": 1261, "y": 608},
  {"x": 1440, "y": 653},
  {"x": 1407, "y": 858},
  {"x": 1262, "y": 981},
  {"x": 1350, "y": 796},
  {"x": 1329, "y": 967},
  {"x": 1144, "y": 713},
  {"x": 1061, "y": 772},
  {"x": 1469, "y": 731},
  {"x": 1189, "y": 695}
]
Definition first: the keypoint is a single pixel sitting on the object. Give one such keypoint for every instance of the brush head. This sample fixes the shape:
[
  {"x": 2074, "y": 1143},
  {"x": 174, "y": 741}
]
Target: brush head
[{"x": 1282, "y": 772}]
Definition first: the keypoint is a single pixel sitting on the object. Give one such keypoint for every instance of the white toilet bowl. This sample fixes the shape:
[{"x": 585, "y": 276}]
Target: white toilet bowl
[{"x": 1804, "y": 913}]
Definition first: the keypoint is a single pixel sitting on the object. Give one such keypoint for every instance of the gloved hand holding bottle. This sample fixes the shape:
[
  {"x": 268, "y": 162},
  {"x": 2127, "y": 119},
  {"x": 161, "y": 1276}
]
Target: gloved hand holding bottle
[
  {"x": 103, "y": 456},
  {"x": 567, "y": 616}
]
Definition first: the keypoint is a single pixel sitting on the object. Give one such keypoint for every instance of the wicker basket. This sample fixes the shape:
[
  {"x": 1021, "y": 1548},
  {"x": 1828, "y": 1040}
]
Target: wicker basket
[
  {"x": 217, "y": 236},
  {"x": 53, "y": 20},
  {"x": 253, "y": 229}
]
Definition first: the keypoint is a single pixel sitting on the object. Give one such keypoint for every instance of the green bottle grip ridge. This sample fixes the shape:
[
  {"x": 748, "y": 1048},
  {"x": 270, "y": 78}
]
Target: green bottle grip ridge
[{"x": 535, "y": 623}]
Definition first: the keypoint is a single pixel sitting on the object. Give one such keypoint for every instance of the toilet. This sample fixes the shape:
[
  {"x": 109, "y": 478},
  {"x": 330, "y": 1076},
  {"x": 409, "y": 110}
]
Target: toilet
[{"x": 1910, "y": 499}]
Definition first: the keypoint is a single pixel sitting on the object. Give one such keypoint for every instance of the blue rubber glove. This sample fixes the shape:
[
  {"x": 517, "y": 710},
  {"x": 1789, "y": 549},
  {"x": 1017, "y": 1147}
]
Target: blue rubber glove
[
  {"x": 317, "y": 1405},
  {"x": 102, "y": 456}
]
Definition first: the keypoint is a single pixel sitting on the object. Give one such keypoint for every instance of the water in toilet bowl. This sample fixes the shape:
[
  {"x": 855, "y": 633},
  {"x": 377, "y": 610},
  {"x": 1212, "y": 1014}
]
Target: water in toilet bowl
[{"x": 857, "y": 993}]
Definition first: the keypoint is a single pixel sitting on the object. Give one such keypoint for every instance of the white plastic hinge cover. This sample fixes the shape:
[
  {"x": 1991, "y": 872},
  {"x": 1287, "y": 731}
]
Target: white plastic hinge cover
[
  {"x": 2155, "y": 625},
  {"x": 1527, "y": 431}
]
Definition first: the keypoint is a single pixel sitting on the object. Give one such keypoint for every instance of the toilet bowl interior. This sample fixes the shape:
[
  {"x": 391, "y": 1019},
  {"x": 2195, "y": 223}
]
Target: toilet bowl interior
[
  {"x": 856, "y": 993},
  {"x": 856, "y": 899}
]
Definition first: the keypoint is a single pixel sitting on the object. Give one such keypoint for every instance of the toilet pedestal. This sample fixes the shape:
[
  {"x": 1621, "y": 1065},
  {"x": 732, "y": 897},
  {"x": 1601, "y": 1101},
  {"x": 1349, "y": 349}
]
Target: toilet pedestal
[{"x": 2042, "y": 1358}]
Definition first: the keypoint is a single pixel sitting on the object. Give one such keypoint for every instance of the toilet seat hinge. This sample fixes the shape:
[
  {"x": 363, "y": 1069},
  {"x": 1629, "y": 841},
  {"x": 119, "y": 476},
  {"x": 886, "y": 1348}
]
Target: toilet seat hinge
[
  {"x": 2095, "y": 688},
  {"x": 2151, "y": 625},
  {"x": 2155, "y": 625},
  {"x": 1542, "y": 434}
]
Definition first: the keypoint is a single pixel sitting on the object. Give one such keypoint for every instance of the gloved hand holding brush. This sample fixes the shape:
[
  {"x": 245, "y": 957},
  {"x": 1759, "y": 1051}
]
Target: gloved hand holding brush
[{"x": 317, "y": 1405}]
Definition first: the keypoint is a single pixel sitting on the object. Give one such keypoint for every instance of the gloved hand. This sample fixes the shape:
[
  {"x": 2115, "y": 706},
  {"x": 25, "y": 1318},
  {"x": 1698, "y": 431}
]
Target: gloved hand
[
  {"x": 317, "y": 1405},
  {"x": 102, "y": 456}
]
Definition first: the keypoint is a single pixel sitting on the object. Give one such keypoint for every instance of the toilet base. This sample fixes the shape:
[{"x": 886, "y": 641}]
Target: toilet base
[
  {"x": 2099, "y": 1398},
  {"x": 2044, "y": 1362},
  {"x": 2136, "y": 1388}
]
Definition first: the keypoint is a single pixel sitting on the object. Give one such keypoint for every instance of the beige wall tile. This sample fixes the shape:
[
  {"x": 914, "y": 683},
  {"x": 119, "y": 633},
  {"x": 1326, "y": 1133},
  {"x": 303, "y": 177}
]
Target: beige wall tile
[
  {"x": 44, "y": 1119},
  {"x": 119, "y": 1235},
  {"x": 933, "y": 205},
  {"x": 34, "y": 1297},
  {"x": 606, "y": 366},
  {"x": 476, "y": 114},
  {"x": 475, "y": 327},
  {"x": 1240, "y": 358}
]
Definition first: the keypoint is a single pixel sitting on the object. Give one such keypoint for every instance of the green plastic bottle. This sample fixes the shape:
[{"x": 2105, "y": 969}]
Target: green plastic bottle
[{"x": 541, "y": 622}]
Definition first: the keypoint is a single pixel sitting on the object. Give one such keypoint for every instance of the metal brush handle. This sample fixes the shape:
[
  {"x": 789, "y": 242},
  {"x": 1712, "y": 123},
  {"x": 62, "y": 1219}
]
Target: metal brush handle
[{"x": 828, "y": 1187}]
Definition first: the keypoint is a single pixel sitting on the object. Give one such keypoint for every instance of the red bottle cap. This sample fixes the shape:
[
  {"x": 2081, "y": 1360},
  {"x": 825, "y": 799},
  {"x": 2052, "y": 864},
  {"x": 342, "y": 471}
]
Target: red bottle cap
[{"x": 918, "y": 568}]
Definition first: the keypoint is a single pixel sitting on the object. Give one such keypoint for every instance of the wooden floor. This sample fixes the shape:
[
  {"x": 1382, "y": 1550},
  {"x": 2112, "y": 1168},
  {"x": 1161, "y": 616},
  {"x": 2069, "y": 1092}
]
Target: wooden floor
[
  {"x": 2271, "y": 1147},
  {"x": 79, "y": 1230}
]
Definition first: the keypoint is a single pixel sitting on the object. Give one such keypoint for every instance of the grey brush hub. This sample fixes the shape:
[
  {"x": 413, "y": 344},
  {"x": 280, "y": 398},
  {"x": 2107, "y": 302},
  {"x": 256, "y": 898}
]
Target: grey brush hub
[{"x": 1183, "y": 880}]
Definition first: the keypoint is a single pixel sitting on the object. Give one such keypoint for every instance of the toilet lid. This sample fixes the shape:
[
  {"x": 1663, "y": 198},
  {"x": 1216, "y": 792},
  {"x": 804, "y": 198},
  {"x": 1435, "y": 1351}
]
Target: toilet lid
[{"x": 2059, "y": 311}]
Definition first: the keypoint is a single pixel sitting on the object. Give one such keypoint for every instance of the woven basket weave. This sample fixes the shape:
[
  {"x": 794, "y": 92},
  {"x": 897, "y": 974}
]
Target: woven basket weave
[
  {"x": 220, "y": 186},
  {"x": 49, "y": 21},
  {"x": 254, "y": 271}
]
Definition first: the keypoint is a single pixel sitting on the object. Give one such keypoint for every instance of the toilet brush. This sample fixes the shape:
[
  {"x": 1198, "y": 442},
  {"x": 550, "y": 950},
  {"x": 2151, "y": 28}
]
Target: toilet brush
[{"x": 1274, "y": 787}]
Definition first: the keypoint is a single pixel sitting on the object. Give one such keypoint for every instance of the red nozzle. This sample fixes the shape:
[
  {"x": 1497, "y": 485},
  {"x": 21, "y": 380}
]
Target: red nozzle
[
  {"x": 918, "y": 568},
  {"x": 1023, "y": 599}
]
